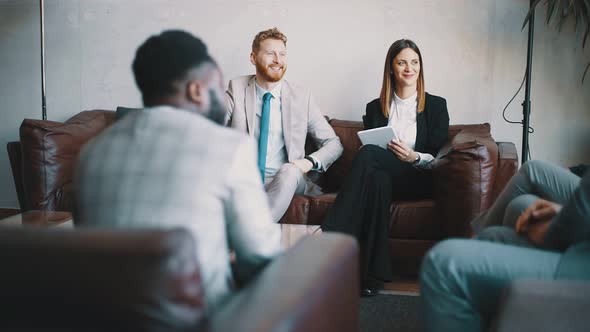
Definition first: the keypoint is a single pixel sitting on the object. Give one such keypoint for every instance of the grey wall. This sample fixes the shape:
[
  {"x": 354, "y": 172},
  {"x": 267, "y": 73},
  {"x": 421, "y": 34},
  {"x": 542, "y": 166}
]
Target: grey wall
[{"x": 474, "y": 55}]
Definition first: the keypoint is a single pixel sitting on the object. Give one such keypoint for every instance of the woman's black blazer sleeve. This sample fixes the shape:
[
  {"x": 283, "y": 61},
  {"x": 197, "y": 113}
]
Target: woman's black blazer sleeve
[{"x": 432, "y": 123}]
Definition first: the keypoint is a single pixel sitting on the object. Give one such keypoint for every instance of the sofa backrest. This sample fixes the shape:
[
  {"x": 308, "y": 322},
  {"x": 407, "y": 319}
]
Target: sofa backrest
[
  {"x": 49, "y": 154},
  {"x": 99, "y": 280}
]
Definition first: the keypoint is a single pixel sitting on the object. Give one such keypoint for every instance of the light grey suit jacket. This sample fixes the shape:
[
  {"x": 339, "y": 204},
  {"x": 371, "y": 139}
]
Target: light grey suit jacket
[
  {"x": 166, "y": 168},
  {"x": 300, "y": 115}
]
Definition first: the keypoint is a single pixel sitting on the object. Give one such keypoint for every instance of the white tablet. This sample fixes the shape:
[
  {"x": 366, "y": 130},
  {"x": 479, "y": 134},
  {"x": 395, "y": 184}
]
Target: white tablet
[{"x": 377, "y": 136}]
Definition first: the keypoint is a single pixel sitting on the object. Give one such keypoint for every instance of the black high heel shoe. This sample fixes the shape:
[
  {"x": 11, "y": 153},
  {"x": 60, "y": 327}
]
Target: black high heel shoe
[
  {"x": 368, "y": 292},
  {"x": 371, "y": 287}
]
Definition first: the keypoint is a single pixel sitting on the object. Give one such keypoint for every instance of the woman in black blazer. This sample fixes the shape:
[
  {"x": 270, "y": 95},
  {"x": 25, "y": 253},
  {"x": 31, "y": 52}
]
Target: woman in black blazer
[{"x": 377, "y": 175}]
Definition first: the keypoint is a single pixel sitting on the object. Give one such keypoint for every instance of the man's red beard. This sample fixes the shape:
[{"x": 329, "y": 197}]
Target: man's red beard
[{"x": 268, "y": 74}]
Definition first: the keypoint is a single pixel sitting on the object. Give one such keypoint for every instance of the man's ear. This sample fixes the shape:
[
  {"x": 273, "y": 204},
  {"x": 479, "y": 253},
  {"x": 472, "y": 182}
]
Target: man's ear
[
  {"x": 196, "y": 92},
  {"x": 253, "y": 58}
]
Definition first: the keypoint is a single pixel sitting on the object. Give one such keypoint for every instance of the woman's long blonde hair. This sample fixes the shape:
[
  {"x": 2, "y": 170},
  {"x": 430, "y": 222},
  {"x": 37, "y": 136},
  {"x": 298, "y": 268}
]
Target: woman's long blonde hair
[{"x": 388, "y": 86}]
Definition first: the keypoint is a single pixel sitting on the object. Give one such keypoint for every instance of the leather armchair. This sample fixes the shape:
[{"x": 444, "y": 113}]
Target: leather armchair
[
  {"x": 544, "y": 305},
  {"x": 105, "y": 280},
  {"x": 44, "y": 158}
]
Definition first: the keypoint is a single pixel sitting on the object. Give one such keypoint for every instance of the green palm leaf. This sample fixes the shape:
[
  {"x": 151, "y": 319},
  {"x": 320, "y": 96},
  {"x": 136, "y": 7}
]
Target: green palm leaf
[{"x": 562, "y": 10}]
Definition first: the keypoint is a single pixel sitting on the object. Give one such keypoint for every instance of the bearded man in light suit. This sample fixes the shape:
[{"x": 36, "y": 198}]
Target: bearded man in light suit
[{"x": 280, "y": 115}]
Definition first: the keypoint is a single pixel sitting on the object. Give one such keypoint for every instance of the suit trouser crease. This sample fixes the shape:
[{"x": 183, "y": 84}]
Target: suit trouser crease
[{"x": 286, "y": 183}]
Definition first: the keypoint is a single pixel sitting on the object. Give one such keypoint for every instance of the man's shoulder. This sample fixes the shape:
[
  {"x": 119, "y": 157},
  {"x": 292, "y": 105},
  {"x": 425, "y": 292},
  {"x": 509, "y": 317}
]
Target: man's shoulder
[
  {"x": 240, "y": 81},
  {"x": 148, "y": 126},
  {"x": 206, "y": 130},
  {"x": 296, "y": 88}
]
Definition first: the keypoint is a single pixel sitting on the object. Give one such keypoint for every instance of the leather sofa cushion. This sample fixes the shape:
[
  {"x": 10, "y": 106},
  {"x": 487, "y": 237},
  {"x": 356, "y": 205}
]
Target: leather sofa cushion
[
  {"x": 319, "y": 208},
  {"x": 297, "y": 212},
  {"x": 465, "y": 167},
  {"x": 415, "y": 220},
  {"x": 49, "y": 154},
  {"x": 478, "y": 130}
]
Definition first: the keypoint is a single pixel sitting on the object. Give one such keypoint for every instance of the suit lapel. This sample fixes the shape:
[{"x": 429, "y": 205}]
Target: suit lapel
[
  {"x": 251, "y": 105},
  {"x": 287, "y": 116}
]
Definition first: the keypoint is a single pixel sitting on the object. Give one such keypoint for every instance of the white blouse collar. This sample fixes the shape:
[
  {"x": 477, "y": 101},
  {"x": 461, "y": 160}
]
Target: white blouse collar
[{"x": 407, "y": 101}]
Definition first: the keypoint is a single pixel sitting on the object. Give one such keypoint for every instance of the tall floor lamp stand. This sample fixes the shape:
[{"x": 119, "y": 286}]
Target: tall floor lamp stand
[
  {"x": 526, "y": 104},
  {"x": 43, "y": 92}
]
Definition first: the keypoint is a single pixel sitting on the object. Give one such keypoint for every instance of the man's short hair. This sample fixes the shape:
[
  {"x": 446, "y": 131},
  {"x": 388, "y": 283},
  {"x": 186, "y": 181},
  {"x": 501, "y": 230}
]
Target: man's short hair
[
  {"x": 165, "y": 58},
  {"x": 273, "y": 33}
]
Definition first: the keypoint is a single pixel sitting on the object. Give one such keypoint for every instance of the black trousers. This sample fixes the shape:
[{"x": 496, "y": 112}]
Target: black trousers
[{"x": 362, "y": 207}]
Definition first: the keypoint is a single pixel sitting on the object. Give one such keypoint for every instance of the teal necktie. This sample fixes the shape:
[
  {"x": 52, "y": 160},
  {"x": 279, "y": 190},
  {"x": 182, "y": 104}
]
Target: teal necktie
[{"x": 263, "y": 138}]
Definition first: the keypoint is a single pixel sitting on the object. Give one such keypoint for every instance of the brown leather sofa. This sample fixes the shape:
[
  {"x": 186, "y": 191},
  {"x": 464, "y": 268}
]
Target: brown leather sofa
[
  {"x": 469, "y": 172},
  {"x": 104, "y": 280}
]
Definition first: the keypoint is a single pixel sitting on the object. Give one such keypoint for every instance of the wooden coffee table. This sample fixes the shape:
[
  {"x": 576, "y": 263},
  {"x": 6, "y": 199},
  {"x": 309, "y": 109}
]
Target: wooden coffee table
[{"x": 40, "y": 219}]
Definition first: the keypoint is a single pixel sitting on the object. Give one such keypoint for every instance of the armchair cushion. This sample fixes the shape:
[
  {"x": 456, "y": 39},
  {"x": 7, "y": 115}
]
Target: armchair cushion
[
  {"x": 312, "y": 287},
  {"x": 544, "y": 305},
  {"x": 463, "y": 178},
  {"x": 49, "y": 153}
]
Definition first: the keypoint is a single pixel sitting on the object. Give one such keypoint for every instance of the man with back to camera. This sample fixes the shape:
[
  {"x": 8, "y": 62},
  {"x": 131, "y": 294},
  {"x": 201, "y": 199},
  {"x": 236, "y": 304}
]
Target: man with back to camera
[
  {"x": 280, "y": 115},
  {"x": 173, "y": 165}
]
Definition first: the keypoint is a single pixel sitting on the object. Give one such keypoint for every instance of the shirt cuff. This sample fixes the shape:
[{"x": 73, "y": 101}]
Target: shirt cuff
[
  {"x": 425, "y": 159},
  {"x": 317, "y": 162}
]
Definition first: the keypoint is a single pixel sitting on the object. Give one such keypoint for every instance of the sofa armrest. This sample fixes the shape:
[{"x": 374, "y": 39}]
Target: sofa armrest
[
  {"x": 464, "y": 172},
  {"x": 507, "y": 166},
  {"x": 544, "y": 305},
  {"x": 311, "y": 287},
  {"x": 15, "y": 156}
]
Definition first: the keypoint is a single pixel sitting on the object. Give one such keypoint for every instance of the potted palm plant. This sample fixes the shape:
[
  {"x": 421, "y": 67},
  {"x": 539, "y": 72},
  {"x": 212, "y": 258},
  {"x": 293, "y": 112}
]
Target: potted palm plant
[{"x": 561, "y": 11}]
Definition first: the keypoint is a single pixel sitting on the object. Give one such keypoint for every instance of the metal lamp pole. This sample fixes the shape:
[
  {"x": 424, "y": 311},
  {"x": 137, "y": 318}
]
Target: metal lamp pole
[
  {"x": 526, "y": 104},
  {"x": 43, "y": 91}
]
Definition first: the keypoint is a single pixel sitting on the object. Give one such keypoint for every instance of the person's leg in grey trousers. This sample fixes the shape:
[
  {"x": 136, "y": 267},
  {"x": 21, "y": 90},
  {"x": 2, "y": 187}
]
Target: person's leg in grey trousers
[
  {"x": 538, "y": 178},
  {"x": 288, "y": 181},
  {"x": 462, "y": 280}
]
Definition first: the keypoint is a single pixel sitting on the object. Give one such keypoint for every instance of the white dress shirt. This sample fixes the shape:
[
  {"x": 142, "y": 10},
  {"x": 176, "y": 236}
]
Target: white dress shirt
[{"x": 402, "y": 119}]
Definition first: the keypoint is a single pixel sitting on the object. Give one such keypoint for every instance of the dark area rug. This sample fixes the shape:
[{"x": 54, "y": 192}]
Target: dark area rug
[{"x": 391, "y": 313}]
